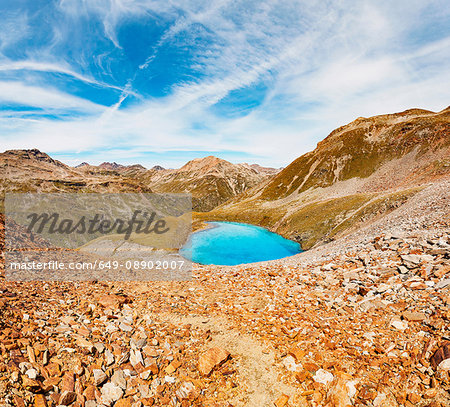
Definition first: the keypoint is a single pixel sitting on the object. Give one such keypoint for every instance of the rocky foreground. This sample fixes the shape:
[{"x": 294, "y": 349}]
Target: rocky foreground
[{"x": 361, "y": 324}]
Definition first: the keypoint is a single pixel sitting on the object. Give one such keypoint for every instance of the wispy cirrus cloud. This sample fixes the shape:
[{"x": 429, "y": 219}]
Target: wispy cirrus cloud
[
  {"x": 258, "y": 81},
  {"x": 14, "y": 28},
  {"x": 18, "y": 93},
  {"x": 29, "y": 65}
]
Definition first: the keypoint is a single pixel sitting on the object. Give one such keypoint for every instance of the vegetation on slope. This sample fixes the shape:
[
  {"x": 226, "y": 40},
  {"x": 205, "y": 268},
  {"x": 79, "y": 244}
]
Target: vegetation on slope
[{"x": 359, "y": 172}]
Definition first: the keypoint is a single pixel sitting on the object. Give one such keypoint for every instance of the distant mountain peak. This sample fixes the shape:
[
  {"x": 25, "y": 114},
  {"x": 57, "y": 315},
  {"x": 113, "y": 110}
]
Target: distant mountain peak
[
  {"x": 136, "y": 167},
  {"x": 203, "y": 163},
  {"x": 28, "y": 153},
  {"x": 110, "y": 166},
  {"x": 210, "y": 180},
  {"x": 264, "y": 170},
  {"x": 31, "y": 154}
]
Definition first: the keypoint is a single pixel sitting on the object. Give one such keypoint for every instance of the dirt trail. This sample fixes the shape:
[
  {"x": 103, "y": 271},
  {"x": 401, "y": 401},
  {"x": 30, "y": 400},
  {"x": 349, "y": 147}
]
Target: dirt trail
[{"x": 257, "y": 371}]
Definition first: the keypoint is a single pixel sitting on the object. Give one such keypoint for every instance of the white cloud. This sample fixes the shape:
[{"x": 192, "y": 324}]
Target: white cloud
[
  {"x": 327, "y": 63},
  {"x": 14, "y": 29},
  {"x": 112, "y": 12},
  {"x": 26, "y": 95},
  {"x": 50, "y": 67}
]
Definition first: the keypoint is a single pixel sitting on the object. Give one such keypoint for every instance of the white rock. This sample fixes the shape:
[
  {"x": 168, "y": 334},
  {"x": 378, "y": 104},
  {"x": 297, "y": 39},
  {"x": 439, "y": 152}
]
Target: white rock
[
  {"x": 109, "y": 357},
  {"x": 99, "y": 376},
  {"x": 443, "y": 283},
  {"x": 379, "y": 400},
  {"x": 136, "y": 357},
  {"x": 125, "y": 327},
  {"x": 45, "y": 357},
  {"x": 24, "y": 366},
  {"x": 323, "y": 376},
  {"x": 31, "y": 373},
  {"x": 100, "y": 347},
  {"x": 111, "y": 393},
  {"x": 118, "y": 378},
  {"x": 402, "y": 270},
  {"x": 15, "y": 376},
  {"x": 351, "y": 388},
  {"x": 124, "y": 358},
  {"x": 399, "y": 324},
  {"x": 444, "y": 365},
  {"x": 145, "y": 375},
  {"x": 290, "y": 364}
]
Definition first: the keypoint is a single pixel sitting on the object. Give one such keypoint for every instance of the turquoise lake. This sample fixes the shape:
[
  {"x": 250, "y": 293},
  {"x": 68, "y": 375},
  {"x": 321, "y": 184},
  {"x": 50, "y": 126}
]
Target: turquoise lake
[{"x": 231, "y": 243}]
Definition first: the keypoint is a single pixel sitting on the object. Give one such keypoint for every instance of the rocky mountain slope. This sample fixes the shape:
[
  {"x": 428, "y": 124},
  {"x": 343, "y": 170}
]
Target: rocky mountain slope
[
  {"x": 359, "y": 172},
  {"x": 210, "y": 180},
  {"x": 111, "y": 169},
  {"x": 34, "y": 171},
  {"x": 361, "y": 321}
]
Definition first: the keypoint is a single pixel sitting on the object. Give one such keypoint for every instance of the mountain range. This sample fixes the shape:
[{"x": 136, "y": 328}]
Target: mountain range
[
  {"x": 358, "y": 173},
  {"x": 210, "y": 180}
]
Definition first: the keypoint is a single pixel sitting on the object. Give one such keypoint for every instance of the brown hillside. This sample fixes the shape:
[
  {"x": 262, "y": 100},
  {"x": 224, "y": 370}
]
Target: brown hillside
[
  {"x": 34, "y": 171},
  {"x": 210, "y": 180},
  {"x": 360, "y": 171}
]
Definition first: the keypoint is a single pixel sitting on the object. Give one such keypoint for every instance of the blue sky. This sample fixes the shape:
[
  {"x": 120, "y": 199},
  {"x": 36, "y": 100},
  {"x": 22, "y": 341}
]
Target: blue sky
[{"x": 162, "y": 82}]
